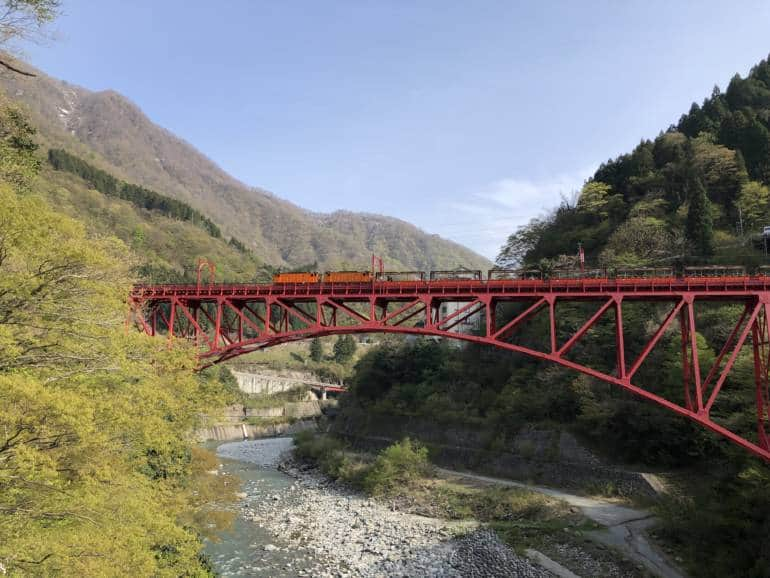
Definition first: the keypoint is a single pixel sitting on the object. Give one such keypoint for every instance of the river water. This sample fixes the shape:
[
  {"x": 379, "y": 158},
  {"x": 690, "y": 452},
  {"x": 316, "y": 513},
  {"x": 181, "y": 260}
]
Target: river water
[{"x": 247, "y": 548}]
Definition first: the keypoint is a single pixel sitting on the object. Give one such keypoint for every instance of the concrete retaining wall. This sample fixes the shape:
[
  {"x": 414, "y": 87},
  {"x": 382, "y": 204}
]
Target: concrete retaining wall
[{"x": 246, "y": 431}]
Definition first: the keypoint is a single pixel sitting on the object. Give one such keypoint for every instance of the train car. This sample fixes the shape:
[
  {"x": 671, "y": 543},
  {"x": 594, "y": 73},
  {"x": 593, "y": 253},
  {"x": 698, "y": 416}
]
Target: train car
[
  {"x": 530, "y": 274},
  {"x": 715, "y": 271},
  {"x": 456, "y": 275},
  {"x": 499, "y": 274},
  {"x": 400, "y": 276},
  {"x": 643, "y": 272},
  {"x": 348, "y": 277},
  {"x": 578, "y": 274},
  {"x": 301, "y": 277},
  {"x": 502, "y": 274},
  {"x": 763, "y": 271}
]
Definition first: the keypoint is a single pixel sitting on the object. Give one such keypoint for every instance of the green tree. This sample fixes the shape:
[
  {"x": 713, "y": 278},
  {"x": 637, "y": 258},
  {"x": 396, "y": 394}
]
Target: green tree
[
  {"x": 699, "y": 227},
  {"x": 594, "y": 198},
  {"x": 520, "y": 243},
  {"x": 754, "y": 204},
  {"x": 638, "y": 241},
  {"x": 344, "y": 348},
  {"x": 97, "y": 472},
  {"x": 316, "y": 350}
]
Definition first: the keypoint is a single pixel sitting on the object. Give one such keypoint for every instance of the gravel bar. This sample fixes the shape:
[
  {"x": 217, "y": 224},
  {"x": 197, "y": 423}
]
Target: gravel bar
[{"x": 353, "y": 536}]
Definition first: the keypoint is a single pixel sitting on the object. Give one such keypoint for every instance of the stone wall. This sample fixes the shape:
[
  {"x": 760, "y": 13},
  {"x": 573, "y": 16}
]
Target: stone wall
[{"x": 245, "y": 431}]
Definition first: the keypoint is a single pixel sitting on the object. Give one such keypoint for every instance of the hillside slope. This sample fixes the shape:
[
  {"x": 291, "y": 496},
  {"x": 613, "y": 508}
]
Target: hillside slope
[
  {"x": 109, "y": 131},
  {"x": 697, "y": 193}
]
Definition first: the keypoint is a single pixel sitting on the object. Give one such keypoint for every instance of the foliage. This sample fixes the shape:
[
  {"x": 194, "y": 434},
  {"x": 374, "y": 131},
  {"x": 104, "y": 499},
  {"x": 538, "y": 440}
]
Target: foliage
[
  {"x": 722, "y": 528},
  {"x": 520, "y": 243},
  {"x": 397, "y": 466},
  {"x": 699, "y": 227},
  {"x": 25, "y": 19},
  {"x": 754, "y": 204},
  {"x": 96, "y": 469},
  {"x": 141, "y": 197},
  {"x": 166, "y": 249},
  {"x": 323, "y": 451},
  {"x": 594, "y": 198},
  {"x": 17, "y": 163},
  {"x": 344, "y": 348},
  {"x": 718, "y": 146},
  {"x": 638, "y": 241},
  {"x": 316, "y": 350}
]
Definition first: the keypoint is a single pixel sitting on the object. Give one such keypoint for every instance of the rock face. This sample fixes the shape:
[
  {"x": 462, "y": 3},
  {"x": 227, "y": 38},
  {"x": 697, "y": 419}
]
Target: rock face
[{"x": 268, "y": 381}]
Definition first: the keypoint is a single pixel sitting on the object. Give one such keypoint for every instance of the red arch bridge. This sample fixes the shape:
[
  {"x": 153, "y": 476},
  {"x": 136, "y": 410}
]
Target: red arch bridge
[{"x": 227, "y": 320}]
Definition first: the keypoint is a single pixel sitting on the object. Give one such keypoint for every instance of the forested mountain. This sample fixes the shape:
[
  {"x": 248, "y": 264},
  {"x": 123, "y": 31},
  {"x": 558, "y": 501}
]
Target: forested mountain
[
  {"x": 111, "y": 133},
  {"x": 698, "y": 191}
]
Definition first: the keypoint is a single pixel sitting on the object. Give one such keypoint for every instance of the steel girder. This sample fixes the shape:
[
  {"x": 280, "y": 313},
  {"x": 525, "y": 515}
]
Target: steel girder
[{"x": 229, "y": 320}]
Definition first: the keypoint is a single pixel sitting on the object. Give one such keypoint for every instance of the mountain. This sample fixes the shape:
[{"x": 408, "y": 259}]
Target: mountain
[
  {"x": 112, "y": 133},
  {"x": 698, "y": 192}
]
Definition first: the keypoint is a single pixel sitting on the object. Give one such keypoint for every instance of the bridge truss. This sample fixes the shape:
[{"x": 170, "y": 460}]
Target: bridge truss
[{"x": 227, "y": 320}]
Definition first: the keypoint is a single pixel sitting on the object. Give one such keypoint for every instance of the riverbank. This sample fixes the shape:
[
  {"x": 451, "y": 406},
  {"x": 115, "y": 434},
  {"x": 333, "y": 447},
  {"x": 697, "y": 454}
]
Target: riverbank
[{"x": 335, "y": 532}]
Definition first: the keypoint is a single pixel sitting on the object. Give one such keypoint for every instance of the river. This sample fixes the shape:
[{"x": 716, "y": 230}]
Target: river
[
  {"x": 248, "y": 548},
  {"x": 306, "y": 526}
]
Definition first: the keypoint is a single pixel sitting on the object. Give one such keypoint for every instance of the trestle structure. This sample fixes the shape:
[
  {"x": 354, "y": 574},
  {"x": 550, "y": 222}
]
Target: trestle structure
[{"x": 227, "y": 320}]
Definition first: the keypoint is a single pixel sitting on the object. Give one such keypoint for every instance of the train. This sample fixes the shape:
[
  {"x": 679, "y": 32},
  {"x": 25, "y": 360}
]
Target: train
[{"x": 500, "y": 274}]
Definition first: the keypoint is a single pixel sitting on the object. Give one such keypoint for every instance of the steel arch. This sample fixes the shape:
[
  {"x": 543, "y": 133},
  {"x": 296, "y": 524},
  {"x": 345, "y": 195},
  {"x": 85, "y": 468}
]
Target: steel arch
[{"x": 229, "y": 320}]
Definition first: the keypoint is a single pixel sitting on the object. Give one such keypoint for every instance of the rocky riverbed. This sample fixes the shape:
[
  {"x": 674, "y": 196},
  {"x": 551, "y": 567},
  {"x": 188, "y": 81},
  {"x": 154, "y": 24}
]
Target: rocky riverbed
[{"x": 335, "y": 533}]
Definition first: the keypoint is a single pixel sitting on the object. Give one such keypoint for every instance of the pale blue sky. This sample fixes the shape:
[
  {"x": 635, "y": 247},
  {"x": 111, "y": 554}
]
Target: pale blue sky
[{"x": 465, "y": 118}]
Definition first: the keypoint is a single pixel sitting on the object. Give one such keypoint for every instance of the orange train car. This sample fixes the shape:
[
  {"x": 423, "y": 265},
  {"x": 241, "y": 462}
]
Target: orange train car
[
  {"x": 303, "y": 277},
  {"x": 348, "y": 277}
]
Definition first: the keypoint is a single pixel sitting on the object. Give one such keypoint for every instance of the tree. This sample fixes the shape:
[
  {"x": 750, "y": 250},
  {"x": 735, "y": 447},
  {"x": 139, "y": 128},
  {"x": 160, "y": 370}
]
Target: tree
[
  {"x": 722, "y": 172},
  {"x": 96, "y": 468},
  {"x": 23, "y": 20},
  {"x": 594, "y": 198},
  {"x": 344, "y": 348},
  {"x": 638, "y": 241},
  {"x": 519, "y": 244},
  {"x": 699, "y": 227},
  {"x": 316, "y": 350},
  {"x": 754, "y": 205}
]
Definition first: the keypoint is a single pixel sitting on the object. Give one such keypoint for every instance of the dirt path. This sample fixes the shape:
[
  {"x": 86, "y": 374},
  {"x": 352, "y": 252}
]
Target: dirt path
[{"x": 625, "y": 527}]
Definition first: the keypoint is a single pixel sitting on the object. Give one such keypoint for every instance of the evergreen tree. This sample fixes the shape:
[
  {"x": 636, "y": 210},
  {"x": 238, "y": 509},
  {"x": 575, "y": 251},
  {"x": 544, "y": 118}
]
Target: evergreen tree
[
  {"x": 699, "y": 227},
  {"x": 316, "y": 350},
  {"x": 344, "y": 348}
]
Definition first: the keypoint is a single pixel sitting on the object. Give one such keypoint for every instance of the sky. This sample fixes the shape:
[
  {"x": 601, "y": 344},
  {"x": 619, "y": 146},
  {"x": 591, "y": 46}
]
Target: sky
[{"x": 465, "y": 118}]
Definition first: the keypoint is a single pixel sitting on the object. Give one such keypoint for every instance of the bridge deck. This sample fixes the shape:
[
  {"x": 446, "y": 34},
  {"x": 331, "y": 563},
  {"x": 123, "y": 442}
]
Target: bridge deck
[
  {"x": 646, "y": 287},
  {"x": 227, "y": 320}
]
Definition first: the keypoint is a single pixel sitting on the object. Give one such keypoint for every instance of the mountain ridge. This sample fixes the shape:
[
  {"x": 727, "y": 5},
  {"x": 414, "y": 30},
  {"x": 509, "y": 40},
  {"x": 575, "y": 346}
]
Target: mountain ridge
[{"x": 113, "y": 133}]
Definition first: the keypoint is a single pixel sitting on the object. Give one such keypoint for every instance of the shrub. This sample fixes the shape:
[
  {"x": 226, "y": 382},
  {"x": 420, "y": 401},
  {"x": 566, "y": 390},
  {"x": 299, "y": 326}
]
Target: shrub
[
  {"x": 322, "y": 451},
  {"x": 399, "y": 464}
]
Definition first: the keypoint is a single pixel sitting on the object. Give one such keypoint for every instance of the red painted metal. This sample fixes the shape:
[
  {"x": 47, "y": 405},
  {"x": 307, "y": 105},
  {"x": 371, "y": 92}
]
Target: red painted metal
[{"x": 228, "y": 320}]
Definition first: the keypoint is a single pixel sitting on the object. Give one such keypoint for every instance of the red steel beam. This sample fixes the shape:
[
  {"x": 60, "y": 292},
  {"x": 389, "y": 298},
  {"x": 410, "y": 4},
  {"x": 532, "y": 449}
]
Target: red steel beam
[{"x": 422, "y": 297}]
